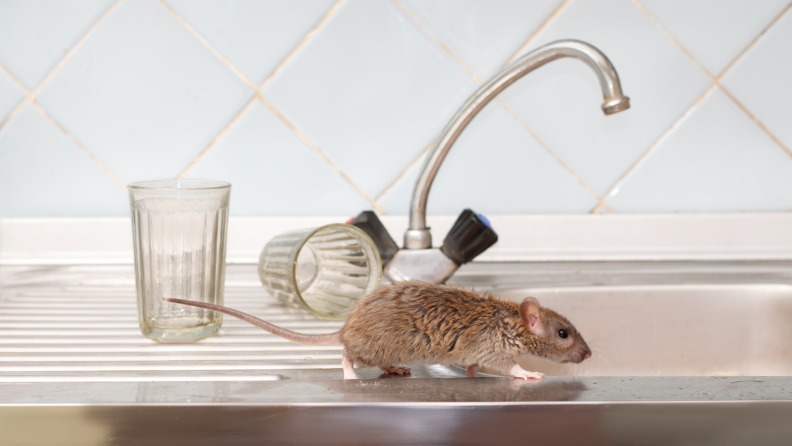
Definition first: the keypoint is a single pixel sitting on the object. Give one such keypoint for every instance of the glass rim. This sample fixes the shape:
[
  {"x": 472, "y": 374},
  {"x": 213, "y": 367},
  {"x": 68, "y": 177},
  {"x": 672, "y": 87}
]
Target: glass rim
[
  {"x": 296, "y": 252},
  {"x": 173, "y": 185}
]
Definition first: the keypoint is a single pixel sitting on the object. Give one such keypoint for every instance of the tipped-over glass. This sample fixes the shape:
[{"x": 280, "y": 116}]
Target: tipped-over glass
[{"x": 325, "y": 270}]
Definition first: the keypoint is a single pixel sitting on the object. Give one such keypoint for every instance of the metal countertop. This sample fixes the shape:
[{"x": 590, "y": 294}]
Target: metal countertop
[{"x": 73, "y": 361}]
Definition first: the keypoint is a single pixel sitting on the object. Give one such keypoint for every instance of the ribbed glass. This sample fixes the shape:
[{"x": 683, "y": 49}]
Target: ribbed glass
[
  {"x": 179, "y": 233},
  {"x": 325, "y": 270}
]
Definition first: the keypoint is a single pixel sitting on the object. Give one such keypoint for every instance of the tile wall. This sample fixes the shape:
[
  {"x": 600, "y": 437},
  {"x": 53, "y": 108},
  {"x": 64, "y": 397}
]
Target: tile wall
[{"x": 326, "y": 107}]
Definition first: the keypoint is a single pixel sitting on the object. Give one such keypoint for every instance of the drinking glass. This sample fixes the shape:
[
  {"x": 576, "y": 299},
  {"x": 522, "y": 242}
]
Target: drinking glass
[
  {"x": 325, "y": 270},
  {"x": 179, "y": 232}
]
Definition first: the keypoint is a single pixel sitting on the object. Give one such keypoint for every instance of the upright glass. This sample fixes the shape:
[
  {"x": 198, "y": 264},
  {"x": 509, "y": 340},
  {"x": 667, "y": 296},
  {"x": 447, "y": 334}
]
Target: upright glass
[
  {"x": 179, "y": 232},
  {"x": 325, "y": 270}
]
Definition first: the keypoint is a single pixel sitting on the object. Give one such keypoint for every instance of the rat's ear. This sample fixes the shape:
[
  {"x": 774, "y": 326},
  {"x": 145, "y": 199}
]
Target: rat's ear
[{"x": 529, "y": 314}]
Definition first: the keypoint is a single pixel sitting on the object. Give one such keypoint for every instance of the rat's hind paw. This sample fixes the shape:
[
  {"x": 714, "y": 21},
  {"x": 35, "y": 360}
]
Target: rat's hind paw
[
  {"x": 519, "y": 372},
  {"x": 391, "y": 370}
]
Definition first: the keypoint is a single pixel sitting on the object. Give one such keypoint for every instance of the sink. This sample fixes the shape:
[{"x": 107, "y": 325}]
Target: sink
[
  {"x": 71, "y": 354},
  {"x": 674, "y": 330}
]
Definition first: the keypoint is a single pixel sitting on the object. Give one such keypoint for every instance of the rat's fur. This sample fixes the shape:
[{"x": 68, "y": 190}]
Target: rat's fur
[
  {"x": 416, "y": 322},
  {"x": 419, "y": 323}
]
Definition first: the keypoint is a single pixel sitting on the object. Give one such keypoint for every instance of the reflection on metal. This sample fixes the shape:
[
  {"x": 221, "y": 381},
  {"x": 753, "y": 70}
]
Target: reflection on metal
[
  {"x": 466, "y": 411},
  {"x": 376, "y": 388}
]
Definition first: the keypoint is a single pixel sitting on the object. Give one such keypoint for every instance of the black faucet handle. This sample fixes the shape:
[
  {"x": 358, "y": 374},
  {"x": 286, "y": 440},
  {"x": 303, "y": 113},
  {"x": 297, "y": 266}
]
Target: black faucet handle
[
  {"x": 369, "y": 223},
  {"x": 470, "y": 236}
]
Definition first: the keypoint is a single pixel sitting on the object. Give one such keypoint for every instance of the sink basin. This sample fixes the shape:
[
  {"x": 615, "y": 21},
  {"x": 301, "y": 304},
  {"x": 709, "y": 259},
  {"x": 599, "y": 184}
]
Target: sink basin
[{"x": 673, "y": 330}]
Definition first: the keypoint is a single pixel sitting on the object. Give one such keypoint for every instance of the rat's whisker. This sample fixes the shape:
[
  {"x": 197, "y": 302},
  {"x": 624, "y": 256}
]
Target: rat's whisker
[
  {"x": 603, "y": 358},
  {"x": 600, "y": 338}
]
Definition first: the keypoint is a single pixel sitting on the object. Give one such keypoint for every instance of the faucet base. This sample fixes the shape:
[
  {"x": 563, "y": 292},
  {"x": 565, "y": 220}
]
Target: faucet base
[
  {"x": 428, "y": 265},
  {"x": 417, "y": 239}
]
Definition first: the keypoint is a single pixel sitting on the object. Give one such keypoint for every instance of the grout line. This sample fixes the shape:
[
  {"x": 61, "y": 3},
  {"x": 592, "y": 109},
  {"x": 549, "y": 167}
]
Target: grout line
[
  {"x": 716, "y": 79},
  {"x": 601, "y": 206},
  {"x": 438, "y": 41},
  {"x": 217, "y": 137},
  {"x": 740, "y": 56},
  {"x": 294, "y": 129},
  {"x": 404, "y": 172},
  {"x": 547, "y": 149},
  {"x": 757, "y": 121},
  {"x": 539, "y": 30},
  {"x": 21, "y": 103},
  {"x": 15, "y": 80},
  {"x": 31, "y": 95},
  {"x": 304, "y": 40},
  {"x": 673, "y": 39},
  {"x": 257, "y": 90},
  {"x": 477, "y": 80},
  {"x": 755, "y": 40},
  {"x": 314, "y": 148},
  {"x": 73, "y": 50},
  {"x": 659, "y": 140},
  {"x": 77, "y": 143},
  {"x": 14, "y": 113},
  {"x": 208, "y": 45}
]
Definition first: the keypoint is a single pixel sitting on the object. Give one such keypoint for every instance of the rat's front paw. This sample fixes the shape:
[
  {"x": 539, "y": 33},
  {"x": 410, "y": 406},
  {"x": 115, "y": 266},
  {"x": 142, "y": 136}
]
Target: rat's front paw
[
  {"x": 393, "y": 370},
  {"x": 519, "y": 372},
  {"x": 530, "y": 375}
]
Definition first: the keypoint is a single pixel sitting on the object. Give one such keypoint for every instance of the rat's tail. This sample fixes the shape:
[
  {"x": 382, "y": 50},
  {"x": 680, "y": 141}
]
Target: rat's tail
[{"x": 325, "y": 339}]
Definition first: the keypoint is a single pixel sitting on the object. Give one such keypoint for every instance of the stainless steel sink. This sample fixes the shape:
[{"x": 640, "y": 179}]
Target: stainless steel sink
[
  {"x": 674, "y": 330},
  {"x": 73, "y": 361}
]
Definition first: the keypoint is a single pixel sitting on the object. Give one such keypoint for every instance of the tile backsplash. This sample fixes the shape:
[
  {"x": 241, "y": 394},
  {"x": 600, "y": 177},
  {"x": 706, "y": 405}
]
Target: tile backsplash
[{"x": 324, "y": 107}]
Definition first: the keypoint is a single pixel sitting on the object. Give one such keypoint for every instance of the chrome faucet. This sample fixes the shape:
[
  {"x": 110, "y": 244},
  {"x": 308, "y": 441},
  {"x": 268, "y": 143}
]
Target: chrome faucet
[{"x": 417, "y": 260}]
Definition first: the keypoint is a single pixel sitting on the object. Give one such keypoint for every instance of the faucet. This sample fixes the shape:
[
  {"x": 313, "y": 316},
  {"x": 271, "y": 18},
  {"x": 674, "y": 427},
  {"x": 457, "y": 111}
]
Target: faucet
[
  {"x": 471, "y": 234},
  {"x": 418, "y": 235}
]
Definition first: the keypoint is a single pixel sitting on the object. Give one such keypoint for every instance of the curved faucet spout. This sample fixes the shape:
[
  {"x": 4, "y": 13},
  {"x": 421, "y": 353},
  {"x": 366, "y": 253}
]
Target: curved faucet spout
[{"x": 418, "y": 235}]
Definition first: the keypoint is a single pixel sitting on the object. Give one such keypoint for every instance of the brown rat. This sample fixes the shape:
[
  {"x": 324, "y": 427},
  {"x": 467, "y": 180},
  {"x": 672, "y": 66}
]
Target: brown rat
[{"x": 416, "y": 322}]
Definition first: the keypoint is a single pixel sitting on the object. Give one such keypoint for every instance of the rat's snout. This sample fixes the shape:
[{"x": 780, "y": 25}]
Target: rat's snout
[
  {"x": 585, "y": 354},
  {"x": 581, "y": 355}
]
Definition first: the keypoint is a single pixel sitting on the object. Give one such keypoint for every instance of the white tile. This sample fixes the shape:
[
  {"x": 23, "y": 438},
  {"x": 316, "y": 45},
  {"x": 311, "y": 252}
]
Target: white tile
[
  {"x": 714, "y": 31},
  {"x": 495, "y": 167},
  {"x": 36, "y": 34},
  {"x": 761, "y": 80},
  {"x": 371, "y": 89},
  {"x": 483, "y": 34},
  {"x": 396, "y": 199},
  {"x": 143, "y": 94},
  {"x": 561, "y": 101},
  {"x": 718, "y": 160},
  {"x": 254, "y": 35},
  {"x": 10, "y": 96},
  {"x": 274, "y": 173},
  {"x": 43, "y": 174}
]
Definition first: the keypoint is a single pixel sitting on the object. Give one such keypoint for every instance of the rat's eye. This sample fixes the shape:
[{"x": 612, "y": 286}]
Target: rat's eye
[{"x": 563, "y": 333}]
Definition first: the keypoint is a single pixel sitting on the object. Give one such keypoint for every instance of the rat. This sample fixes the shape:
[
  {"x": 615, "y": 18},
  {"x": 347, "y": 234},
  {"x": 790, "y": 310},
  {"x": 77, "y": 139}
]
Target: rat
[{"x": 418, "y": 322}]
